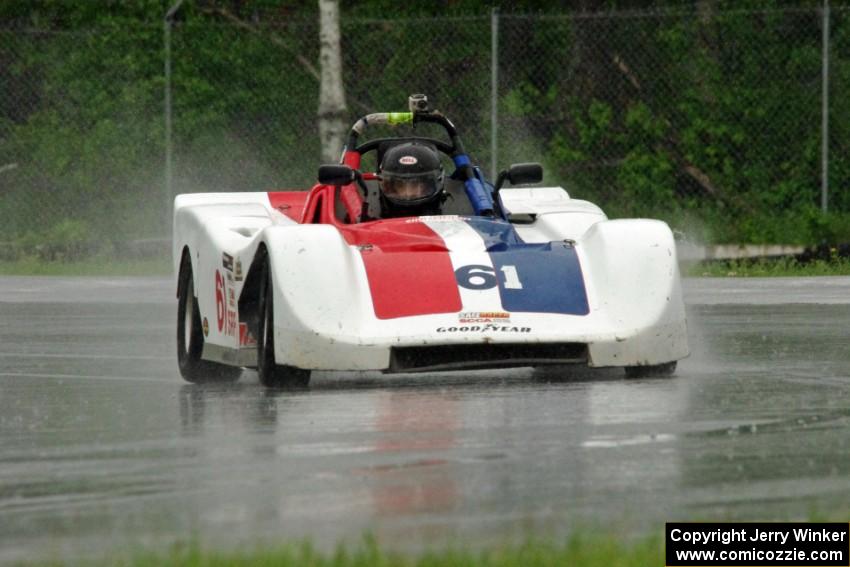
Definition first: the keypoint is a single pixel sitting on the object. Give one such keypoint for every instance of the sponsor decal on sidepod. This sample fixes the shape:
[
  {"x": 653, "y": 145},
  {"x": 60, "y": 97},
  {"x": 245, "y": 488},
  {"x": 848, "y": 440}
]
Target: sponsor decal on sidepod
[
  {"x": 484, "y": 317},
  {"x": 227, "y": 261}
]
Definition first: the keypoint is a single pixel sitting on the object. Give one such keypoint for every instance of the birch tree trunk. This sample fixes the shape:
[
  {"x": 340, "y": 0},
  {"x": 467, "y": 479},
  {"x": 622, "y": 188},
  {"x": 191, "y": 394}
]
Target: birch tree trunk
[{"x": 332, "y": 112}]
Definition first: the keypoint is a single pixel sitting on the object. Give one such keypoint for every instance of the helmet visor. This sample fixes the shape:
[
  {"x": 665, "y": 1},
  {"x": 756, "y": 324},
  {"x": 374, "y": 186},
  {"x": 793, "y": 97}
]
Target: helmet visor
[{"x": 409, "y": 190}]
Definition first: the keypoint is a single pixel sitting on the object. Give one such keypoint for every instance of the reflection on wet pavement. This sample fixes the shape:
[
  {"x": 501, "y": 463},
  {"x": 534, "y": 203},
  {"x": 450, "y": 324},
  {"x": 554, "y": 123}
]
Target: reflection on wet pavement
[{"x": 101, "y": 444}]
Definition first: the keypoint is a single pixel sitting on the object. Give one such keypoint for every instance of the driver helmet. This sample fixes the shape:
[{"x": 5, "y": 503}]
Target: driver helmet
[{"x": 411, "y": 178}]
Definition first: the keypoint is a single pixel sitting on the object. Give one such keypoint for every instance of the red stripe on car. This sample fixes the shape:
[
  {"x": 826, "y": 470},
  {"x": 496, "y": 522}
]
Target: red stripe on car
[
  {"x": 408, "y": 266},
  {"x": 290, "y": 203}
]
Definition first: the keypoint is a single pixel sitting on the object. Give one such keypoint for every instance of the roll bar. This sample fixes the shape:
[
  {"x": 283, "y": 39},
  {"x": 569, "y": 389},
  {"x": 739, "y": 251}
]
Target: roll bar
[{"x": 480, "y": 198}]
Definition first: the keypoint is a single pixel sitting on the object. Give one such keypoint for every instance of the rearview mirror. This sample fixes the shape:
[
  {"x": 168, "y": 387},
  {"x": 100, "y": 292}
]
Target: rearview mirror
[
  {"x": 522, "y": 173},
  {"x": 335, "y": 174},
  {"x": 519, "y": 174}
]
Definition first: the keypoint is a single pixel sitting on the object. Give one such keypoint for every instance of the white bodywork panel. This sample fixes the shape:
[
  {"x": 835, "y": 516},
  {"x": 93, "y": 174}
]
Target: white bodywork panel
[{"x": 323, "y": 309}]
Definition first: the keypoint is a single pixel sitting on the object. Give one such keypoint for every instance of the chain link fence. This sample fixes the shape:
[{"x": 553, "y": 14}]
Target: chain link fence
[{"x": 709, "y": 119}]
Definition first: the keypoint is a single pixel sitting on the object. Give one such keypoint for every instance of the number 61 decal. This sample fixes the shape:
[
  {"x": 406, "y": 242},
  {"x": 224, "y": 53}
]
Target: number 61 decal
[{"x": 479, "y": 276}]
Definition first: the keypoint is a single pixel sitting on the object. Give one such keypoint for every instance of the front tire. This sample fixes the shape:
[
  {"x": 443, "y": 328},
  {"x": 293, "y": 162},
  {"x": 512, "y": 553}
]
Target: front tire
[
  {"x": 651, "y": 370},
  {"x": 190, "y": 336},
  {"x": 273, "y": 375}
]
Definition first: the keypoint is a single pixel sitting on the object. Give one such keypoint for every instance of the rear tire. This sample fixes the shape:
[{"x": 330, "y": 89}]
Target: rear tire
[
  {"x": 273, "y": 375},
  {"x": 651, "y": 370},
  {"x": 190, "y": 336}
]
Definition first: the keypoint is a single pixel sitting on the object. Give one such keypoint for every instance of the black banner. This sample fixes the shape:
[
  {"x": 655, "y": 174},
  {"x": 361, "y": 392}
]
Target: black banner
[{"x": 762, "y": 544}]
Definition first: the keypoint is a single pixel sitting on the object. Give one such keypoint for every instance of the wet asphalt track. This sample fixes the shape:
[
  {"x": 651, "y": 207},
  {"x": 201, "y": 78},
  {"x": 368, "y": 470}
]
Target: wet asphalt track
[{"x": 102, "y": 446}]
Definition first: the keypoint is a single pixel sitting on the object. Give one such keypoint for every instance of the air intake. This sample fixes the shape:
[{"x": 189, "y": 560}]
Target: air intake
[{"x": 475, "y": 356}]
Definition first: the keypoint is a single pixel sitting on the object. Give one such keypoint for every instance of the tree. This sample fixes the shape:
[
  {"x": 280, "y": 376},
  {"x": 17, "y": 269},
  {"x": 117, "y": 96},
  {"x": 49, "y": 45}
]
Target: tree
[{"x": 332, "y": 112}]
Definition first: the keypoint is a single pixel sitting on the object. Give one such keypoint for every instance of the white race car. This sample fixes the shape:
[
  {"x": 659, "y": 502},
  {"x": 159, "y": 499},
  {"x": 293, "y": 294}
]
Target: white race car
[{"x": 290, "y": 282}]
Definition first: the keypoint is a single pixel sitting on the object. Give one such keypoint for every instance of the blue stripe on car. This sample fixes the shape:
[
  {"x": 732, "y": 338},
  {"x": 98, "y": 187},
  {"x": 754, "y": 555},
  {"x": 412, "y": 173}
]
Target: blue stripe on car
[
  {"x": 549, "y": 273},
  {"x": 497, "y": 234}
]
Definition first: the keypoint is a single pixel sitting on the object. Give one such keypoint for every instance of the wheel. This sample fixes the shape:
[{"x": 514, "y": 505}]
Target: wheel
[
  {"x": 190, "y": 336},
  {"x": 651, "y": 370},
  {"x": 273, "y": 375}
]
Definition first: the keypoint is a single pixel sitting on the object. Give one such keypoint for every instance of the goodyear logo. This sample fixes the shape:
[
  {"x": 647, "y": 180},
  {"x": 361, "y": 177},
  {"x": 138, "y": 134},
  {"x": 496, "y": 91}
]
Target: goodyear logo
[{"x": 490, "y": 328}]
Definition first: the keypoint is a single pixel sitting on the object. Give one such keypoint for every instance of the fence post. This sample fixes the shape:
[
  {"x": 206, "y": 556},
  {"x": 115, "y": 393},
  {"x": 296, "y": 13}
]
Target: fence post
[
  {"x": 494, "y": 92},
  {"x": 169, "y": 194},
  {"x": 824, "y": 172}
]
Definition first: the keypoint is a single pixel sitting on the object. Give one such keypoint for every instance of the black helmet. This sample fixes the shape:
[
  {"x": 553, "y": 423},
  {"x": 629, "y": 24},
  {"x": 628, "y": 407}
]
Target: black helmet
[{"x": 411, "y": 176}]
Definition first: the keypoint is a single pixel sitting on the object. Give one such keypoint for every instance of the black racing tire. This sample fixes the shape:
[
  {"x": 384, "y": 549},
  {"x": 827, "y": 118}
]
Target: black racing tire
[
  {"x": 273, "y": 375},
  {"x": 190, "y": 336},
  {"x": 651, "y": 370}
]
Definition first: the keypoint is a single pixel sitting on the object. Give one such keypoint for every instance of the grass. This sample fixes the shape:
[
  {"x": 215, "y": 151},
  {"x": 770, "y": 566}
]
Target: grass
[
  {"x": 583, "y": 550},
  {"x": 780, "y": 267},
  {"x": 31, "y": 266}
]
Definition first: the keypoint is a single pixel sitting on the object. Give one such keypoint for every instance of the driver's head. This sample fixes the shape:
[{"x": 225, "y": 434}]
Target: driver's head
[{"x": 411, "y": 180}]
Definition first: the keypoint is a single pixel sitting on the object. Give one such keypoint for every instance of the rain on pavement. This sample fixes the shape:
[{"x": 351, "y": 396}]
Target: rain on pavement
[{"x": 103, "y": 447}]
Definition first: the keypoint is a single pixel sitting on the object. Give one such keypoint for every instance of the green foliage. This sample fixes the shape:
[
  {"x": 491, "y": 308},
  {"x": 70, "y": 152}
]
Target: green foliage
[
  {"x": 709, "y": 119},
  {"x": 68, "y": 240},
  {"x": 711, "y": 115},
  {"x": 89, "y": 140}
]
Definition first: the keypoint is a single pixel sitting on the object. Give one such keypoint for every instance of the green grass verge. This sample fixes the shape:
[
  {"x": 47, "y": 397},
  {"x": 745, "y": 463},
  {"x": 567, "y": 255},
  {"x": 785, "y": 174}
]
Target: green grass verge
[
  {"x": 780, "y": 267},
  {"x": 90, "y": 267},
  {"x": 584, "y": 551}
]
